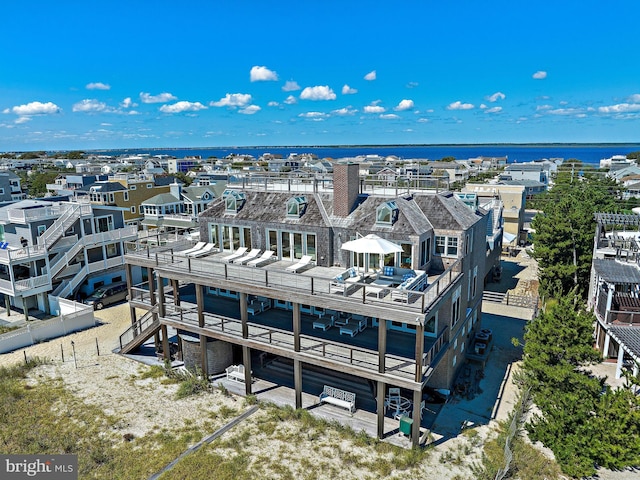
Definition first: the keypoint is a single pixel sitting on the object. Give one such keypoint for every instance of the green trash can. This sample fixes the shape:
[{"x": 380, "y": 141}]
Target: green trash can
[{"x": 405, "y": 425}]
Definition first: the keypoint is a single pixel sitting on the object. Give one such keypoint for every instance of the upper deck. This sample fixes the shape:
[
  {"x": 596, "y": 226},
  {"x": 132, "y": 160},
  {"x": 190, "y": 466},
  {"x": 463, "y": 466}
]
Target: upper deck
[{"x": 311, "y": 287}]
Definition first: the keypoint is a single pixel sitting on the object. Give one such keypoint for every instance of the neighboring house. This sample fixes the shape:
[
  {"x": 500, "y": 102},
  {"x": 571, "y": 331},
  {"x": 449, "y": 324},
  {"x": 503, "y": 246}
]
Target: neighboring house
[
  {"x": 457, "y": 171},
  {"x": 614, "y": 289},
  {"x": 620, "y": 174},
  {"x": 66, "y": 184},
  {"x": 413, "y": 329},
  {"x": 526, "y": 172},
  {"x": 57, "y": 249},
  {"x": 513, "y": 198},
  {"x": 180, "y": 208},
  {"x": 10, "y": 187},
  {"x": 175, "y": 165},
  {"x": 531, "y": 187},
  {"x": 127, "y": 191}
]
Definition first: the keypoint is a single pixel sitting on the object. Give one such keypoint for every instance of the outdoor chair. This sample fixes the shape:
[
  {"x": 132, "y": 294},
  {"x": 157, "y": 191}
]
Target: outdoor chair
[
  {"x": 248, "y": 257},
  {"x": 266, "y": 257},
  {"x": 237, "y": 254},
  {"x": 302, "y": 263},
  {"x": 195, "y": 248},
  {"x": 208, "y": 248}
]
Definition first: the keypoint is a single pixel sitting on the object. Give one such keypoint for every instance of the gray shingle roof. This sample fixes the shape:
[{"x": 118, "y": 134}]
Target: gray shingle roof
[
  {"x": 161, "y": 199},
  {"x": 616, "y": 272}
]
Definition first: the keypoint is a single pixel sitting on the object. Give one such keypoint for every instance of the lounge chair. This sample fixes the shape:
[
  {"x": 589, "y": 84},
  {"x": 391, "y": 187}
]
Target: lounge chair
[
  {"x": 237, "y": 254},
  {"x": 208, "y": 248},
  {"x": 195, "y": 248},
  {"x": 302, "y": 263},
  {"x": 248, "y": 257},
  {"x": 266, "y": 257}
]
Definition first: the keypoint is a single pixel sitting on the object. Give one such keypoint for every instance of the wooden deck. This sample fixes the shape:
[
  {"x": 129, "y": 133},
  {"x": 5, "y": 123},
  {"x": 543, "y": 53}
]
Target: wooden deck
[{"x": 312, "y": 286}]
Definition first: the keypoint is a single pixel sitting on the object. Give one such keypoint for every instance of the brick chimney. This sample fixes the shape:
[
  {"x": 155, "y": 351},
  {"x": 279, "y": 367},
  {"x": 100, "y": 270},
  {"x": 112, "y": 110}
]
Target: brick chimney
[{"x": 346, "y": 185}]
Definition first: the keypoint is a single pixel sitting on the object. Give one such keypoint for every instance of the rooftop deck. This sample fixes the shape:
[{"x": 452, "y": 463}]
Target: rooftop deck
[{"x": 312, "y": 286}]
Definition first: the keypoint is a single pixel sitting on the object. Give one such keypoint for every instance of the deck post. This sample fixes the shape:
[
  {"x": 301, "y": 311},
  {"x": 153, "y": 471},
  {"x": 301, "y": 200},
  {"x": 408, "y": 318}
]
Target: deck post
[
  {"x": 382, "y": 345},
  {"x": 129, "y": 277},
  {"x": 419, "y": 351},
  {"x": 417, "y": 411},
  {"x": 203, "y": 339},
  {"x": 175, "y": 285},
  {"x": 161, "y": 312},
  {"x": 382, "y": 390},
  {"x": 246, "y": 358},
  {"x": 200, "y": 304},
  {"x": 166, "y": 353},
  {"x": 244, "y": 315},
  {"x": 297, "y": 381},
  {"x": 296, "y": 327}
]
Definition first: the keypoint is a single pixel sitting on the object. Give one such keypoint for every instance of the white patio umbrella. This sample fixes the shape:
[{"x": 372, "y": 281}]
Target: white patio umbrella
[{"x": 372, "y": 243}]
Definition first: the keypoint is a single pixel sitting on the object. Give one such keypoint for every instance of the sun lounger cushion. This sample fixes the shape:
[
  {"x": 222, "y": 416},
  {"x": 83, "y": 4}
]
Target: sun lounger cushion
[{"x": 387, "y": 271}]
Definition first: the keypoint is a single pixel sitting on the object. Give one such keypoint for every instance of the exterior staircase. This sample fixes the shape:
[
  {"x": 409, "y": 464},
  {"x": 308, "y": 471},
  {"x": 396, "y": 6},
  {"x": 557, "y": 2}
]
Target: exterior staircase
[
  {"x": 62, "y": 223},
  {"x": 138, "y": 333}
]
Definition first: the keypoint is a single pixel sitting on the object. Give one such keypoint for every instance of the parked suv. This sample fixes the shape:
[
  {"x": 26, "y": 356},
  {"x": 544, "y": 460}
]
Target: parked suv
[{"x": 107, "y": 295}]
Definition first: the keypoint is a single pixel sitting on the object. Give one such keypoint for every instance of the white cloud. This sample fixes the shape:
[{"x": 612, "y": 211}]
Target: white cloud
[
  {"x": 233, "y": 100},
  {"x": 370, "y": 76},
  {"x": 319, "y": 92},
  {"x": 620, "y": 108},
  {"x": 290, "y": 86},
  {"x": 566, "y": 111},
  {"x": 128, "y": 103},
  {"x": 539, "y": 75},
  {"x": 374, "y": 109},
  {"x": 89, "y": 105},
  {"x": 20, "y": 120},
  {"x": 249, "y": 109},
  {"x": 543, "y": 107},
  {"x": 495, "y": 97},
  {"x": 262, "y": 74},
  {"x": 345, "y": 111},
  {"x": 389, "y": 116},
  {"x": 105, "y": 124},
  {"x": 160, "y": 98},
  {"x": 6, "y": 110},
  {"x": 273, "y": 104},
  {"x": 347, "y": 90},
  {"x": 35, "y": 108},
  {"x": 404, "y": 105},
  {"x": 493, "y": 110},
  {"x": 291, "y": 100},
  {"x": 97, "y": 86},
  {"x": 635, "y": 98},
  {"x": 482, "y": 106},
  {"x": 423, "y": 120},
  {"x": 314, "y": 115},
  {"x": 460, "y": 106},
  {"x": 412, "y": 84},
  {"x": 182, "y": 106}
]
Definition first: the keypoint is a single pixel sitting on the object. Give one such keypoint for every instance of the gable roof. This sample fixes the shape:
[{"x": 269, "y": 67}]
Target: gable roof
[{"x": 161, "y": 199}]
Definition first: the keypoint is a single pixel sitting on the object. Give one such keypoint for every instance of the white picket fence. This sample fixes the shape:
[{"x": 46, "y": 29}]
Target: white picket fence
[{"x": 74, "y": 316}]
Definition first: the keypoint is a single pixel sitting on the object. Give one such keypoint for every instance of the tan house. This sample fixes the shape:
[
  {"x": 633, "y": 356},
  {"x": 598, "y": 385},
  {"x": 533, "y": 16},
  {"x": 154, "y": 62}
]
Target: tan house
[
  {"x": 127, "y": 191},
  {"x": 513, "y": 199}
]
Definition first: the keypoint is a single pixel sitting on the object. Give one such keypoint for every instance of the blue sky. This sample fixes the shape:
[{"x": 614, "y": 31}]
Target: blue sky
[{"x": 90, "y": 75}]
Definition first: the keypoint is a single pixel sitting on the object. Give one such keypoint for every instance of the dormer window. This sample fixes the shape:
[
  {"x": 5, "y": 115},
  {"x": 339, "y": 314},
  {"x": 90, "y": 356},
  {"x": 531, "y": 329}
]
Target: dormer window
[
  {"x": 233, "y": 200},
  {"x": 387, "y": 213},
  {"x": 296, "y": 206}
]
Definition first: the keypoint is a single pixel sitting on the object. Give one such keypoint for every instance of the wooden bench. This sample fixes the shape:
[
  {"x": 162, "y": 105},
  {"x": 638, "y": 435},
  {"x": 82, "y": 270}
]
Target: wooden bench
[
  {"x": 235, "y": 373},
  {"x": 340, "y": 398}
]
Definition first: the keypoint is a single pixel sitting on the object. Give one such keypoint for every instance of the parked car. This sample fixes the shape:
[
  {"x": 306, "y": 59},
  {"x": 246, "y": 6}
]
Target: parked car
[{"x": 107, "y": 295}]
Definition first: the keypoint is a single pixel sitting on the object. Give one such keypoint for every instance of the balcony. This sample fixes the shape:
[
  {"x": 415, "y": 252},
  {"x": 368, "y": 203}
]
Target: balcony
[
  {"x": 272, "y": 331},
  {"x": 26, "y": 287},
  {"x": 312, "y": 287}
]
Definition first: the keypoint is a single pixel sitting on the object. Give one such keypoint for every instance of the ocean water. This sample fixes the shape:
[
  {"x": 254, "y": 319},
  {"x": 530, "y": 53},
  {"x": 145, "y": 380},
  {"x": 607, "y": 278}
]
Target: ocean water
[{"x": 591, "y": 154}]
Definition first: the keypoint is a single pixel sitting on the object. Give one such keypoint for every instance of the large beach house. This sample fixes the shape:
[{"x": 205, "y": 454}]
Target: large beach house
[{"x": 321, "y": 287}]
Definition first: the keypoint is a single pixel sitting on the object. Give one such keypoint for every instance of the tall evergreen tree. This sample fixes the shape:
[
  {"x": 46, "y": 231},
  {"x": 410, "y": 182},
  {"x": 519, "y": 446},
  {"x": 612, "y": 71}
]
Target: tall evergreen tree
[{"x": 564, "y": 231}]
